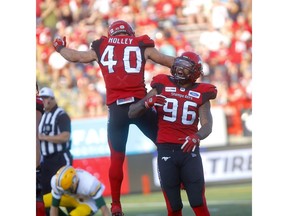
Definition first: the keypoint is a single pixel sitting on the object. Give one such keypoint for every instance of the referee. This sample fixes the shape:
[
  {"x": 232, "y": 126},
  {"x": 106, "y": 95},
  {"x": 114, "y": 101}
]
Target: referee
[{"x": 54, "y": 135}]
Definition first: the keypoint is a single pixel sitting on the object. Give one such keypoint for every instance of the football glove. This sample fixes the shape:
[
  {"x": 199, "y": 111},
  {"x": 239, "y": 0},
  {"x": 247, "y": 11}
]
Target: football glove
[
  {"x": 190, "y": 143},
  {"x": 155, "y": 100},
  {"x": 59, "y": 43}
]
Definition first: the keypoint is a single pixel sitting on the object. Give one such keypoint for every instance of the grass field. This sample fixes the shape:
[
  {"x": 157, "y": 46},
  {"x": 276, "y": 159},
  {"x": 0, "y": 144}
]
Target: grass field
[{"x": 225, "y": 200}]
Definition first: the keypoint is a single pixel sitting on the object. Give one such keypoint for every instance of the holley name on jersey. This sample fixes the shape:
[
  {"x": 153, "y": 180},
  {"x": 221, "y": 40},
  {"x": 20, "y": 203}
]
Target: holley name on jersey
[{"x": 120, "y": 40}]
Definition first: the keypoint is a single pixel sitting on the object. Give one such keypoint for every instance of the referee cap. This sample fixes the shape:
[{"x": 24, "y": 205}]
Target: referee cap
[{"x": 46, "y": 92}]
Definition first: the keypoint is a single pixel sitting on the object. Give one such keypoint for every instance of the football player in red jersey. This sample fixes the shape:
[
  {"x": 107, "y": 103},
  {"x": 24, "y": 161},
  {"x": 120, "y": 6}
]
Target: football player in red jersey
[
  {"x": 121, "y": 57},
  {"x": 181, "y": 103}
]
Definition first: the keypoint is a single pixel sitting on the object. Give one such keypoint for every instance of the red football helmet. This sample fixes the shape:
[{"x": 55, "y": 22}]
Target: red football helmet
[
  {"x": 187, "y": 68},
  {"x": 120, "y": 26}
]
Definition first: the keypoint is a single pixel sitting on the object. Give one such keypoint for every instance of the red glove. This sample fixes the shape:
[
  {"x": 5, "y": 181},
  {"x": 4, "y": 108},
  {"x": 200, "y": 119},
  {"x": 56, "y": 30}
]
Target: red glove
[
  {"x": 59, "y": 43},
  {"x": 156, "y": 100},
  {"x": 191, "y": 142}
]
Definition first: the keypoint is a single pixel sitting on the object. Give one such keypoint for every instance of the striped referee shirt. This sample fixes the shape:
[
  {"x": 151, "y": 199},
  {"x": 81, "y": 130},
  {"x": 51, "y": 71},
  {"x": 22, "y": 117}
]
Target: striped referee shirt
[{"x": 53, "y": 123}]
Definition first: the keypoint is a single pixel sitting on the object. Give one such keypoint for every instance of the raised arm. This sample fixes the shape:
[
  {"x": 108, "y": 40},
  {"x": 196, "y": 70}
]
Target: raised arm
[
  {"x": 158, "y": 57},
  {"x": 74, "y": 55}
]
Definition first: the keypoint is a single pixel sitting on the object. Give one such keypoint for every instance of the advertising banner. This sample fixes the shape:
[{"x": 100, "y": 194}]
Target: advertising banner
[
  {"x": 221, "y": 165},
  {"x": 89, "y": 137},
  {"x": 227, "y": 165}
]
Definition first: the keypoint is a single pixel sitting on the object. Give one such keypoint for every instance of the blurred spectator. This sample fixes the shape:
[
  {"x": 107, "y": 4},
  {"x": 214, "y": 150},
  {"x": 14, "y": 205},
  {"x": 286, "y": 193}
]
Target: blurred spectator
[
  {"x": 162, "y": 41},
  {"x": 234, "y": 8},
  {"x": 166, "y": 11},
  {"x": 212, "y": 38},
  {"x": 94, "y": 103},
  {"x": 49, "y": 14},
  {"x": 193, "y": 10},
  {"x": 65, "y": 14},
  {"x": 219, "y": 14}
]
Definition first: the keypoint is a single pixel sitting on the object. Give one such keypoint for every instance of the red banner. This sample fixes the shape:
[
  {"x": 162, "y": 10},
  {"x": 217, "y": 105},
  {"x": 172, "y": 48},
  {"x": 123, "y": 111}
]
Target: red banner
[{"x": 99, "y": 167}]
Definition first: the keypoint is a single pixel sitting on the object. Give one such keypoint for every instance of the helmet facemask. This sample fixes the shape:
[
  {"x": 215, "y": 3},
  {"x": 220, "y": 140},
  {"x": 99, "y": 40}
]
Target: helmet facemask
[
  {"x": 183, "y": 71},
  {"x": 74, "y": 185}
]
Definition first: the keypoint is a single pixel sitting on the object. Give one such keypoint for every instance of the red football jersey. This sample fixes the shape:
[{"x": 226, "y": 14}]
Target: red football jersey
[
  {"x": 179, "y": 117},
  {"x": 122, "y": 62}
]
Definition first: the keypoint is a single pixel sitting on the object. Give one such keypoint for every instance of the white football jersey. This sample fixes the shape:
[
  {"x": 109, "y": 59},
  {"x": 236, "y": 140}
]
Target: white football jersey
[{"x": 89, "y": 188}]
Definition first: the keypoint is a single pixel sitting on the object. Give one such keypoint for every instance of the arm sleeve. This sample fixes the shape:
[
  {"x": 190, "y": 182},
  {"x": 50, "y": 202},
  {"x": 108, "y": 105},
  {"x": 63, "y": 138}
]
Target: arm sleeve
[
  {"x": 64, "y": 122},
  {"x": 100, "y": 202},
  {"x": 55, "y": 202}
]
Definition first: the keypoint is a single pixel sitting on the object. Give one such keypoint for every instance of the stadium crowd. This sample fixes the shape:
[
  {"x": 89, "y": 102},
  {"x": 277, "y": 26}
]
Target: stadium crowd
[{"x": 224, "y": 43}]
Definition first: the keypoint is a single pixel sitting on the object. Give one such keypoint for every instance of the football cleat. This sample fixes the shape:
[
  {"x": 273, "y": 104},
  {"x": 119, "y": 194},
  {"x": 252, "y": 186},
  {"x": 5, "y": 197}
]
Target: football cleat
[
  {"x": 116, "y": 210},
  {"x": 118, "y": 214}
]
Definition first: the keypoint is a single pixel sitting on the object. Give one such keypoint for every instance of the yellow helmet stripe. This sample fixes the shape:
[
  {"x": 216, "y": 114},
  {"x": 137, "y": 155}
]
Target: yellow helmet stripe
[{"x": 60, "y": 173}]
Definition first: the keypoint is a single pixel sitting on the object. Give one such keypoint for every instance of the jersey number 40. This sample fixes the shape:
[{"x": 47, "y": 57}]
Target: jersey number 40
[{"x": 110, "y": 63}]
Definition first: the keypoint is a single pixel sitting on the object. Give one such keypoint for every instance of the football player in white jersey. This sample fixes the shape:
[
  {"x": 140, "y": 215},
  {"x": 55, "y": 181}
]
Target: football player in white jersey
[{"x": 78, "y": 190}]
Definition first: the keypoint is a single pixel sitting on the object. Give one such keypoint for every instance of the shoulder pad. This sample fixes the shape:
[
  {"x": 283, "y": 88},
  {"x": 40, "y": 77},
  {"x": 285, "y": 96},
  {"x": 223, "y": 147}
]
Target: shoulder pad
[
  {"x": 213, "y": 90},
  {"x": 158, "y": 82},
  {"x": 145, "y": 41},
  {"x": 159, "y": 77},
  {"x": 96, "y": 43},
  {"x": 210, "y": 91}
]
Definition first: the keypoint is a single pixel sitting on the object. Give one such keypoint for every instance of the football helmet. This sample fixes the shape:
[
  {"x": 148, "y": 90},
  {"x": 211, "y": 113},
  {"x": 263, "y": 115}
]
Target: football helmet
[
  {"x": 66, "y": 179},
  {"x": 187, "y": 68},
  {"x": 120, "y": 26}
]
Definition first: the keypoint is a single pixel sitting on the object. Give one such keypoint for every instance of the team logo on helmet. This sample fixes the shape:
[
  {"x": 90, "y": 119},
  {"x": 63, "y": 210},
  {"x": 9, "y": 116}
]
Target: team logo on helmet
[{"x": 120, "y": 26}]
